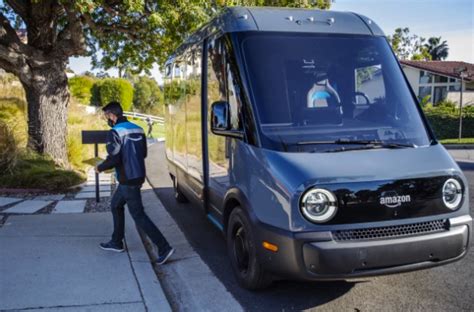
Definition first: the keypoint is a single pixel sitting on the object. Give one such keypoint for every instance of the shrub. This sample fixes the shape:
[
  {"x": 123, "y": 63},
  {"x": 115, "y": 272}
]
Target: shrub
[
  {"x": 95, "y": 93},
  {"x": 80, "y": 87},
  {"x": 444, "y": 119},
  {"x": 13, "y": 113},
  {"x": 8, "y": 149},
  {"x": 112, "y": 89},
  {"x": 147, "y": 96},
  {"x": 39, "y": 172}
]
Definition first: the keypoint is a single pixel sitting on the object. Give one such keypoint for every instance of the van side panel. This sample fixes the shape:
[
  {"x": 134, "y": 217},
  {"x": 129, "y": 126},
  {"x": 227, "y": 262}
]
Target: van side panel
[
  {"x": 175, "y": 114},
  {"x": 184, "y": 147},
  {"x": 193, "y": 121},
  {"x": 217, "y": 145}
]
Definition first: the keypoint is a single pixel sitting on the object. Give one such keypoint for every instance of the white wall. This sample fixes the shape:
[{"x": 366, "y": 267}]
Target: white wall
[
  {"x": 413, "y": 76},
  {"x": 467, "y": 97}
]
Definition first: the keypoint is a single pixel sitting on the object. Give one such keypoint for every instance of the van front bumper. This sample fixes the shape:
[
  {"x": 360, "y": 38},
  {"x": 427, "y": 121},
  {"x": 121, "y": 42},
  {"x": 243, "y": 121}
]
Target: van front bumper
[{"x": 317, "y": 256}]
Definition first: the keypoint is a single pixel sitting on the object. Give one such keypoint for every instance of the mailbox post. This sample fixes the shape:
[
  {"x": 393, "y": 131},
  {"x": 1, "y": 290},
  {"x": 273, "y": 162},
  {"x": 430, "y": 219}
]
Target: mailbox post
[{"x": 95, "y": 137}]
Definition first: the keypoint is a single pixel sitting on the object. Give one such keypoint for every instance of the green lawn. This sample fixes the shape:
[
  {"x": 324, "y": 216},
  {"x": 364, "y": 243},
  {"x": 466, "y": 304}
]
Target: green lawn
[
  {"x": 456, "y": 141},
  {"x": 32, "y": 171},
  {"x": 37, "y": 172},
  {"x": 157, "y": 132}
]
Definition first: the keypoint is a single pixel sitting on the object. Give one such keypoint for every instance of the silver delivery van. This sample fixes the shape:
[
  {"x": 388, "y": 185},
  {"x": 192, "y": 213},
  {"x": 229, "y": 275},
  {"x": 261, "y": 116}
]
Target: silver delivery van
[{"x": 298, "y": 135}]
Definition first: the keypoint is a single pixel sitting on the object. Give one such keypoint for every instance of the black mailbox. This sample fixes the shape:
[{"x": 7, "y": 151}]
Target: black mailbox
[{"x": 95, "y": 137}]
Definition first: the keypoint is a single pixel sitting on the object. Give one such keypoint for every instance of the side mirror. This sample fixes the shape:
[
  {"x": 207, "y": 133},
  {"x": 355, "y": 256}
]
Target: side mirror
[
  {"x": 220, "y": 116},
  {"x": 220, "y": 121}
]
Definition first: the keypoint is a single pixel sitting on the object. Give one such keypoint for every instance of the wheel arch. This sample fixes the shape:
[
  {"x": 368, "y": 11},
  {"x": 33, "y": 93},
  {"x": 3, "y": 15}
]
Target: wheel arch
[{"x": 234, "y": 198}]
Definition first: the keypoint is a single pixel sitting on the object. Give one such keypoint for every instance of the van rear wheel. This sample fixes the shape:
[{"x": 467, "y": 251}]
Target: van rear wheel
[
  {"x": 178, "y": 193},
  {"x": 242, "y": 251}
]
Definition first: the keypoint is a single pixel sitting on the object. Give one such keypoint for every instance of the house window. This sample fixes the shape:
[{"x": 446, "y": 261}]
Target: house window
[
  {"x": 425, "y": 77},
  {"x": 177, "y": 72},
  {"x": 423, "y": 92},
  {"x": 439, "y": 94},
  {"x": 168, "y": 71},
  {"x": 453, "y": 80},
  {"x": 455, "y": 88},
  {"x": 438, "y": 79}
]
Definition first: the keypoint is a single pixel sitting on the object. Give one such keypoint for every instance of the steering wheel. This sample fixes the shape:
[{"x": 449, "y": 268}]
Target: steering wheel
[{"x": 362, "y": 94}]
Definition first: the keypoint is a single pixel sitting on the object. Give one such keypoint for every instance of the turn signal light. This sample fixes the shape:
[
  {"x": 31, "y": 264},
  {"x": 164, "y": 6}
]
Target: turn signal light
[{"x": 270, "y": 246}]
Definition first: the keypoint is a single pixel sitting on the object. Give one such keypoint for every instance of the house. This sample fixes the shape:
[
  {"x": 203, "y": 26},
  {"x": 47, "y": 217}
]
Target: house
[{"x": 440, "y": 80}]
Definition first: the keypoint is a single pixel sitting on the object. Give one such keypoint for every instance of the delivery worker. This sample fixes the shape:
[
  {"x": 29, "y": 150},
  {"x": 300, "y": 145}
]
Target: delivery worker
[{"x": 127, "y": 149}]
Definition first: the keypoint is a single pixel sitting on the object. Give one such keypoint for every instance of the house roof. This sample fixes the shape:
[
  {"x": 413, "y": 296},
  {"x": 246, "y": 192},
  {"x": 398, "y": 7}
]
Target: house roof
[{"x": 446, "y": 68}]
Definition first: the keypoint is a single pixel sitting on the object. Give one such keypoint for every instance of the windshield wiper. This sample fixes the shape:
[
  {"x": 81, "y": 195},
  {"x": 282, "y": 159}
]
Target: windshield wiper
[{"x": 376, "y": 143}]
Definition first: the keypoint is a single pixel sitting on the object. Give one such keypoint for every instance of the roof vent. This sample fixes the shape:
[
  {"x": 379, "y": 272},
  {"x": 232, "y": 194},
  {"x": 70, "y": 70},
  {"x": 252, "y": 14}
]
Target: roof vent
[
  {"x": 369, "y": 21},
  {"x": 311, "y": 19},
  {"x": 331, "y": 20},
  {"x": 290, "y": 18},
  {"x": 245, "y": 16}
]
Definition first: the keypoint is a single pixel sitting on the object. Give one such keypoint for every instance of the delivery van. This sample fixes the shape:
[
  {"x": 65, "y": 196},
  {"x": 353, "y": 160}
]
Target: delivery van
[{"x": 298, "y": 135}]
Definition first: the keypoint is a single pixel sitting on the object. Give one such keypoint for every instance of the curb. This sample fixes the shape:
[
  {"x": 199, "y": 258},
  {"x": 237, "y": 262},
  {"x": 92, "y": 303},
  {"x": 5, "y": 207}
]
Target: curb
[
  {"x": 459, "y": 146},
  {"x": 462, "y": 160},
  {"x": 189, "y": 283},
  {"x": 150, "y": 287}
]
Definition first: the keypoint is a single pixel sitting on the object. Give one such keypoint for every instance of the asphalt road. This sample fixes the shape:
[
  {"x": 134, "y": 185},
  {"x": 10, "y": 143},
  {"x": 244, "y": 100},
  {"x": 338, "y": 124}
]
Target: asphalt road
[{"x": 446, "y": 288}]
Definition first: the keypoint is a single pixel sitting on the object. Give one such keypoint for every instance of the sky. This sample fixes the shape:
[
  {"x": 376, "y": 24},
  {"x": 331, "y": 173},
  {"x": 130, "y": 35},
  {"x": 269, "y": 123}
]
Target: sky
[{"x": 450, "y": 19}]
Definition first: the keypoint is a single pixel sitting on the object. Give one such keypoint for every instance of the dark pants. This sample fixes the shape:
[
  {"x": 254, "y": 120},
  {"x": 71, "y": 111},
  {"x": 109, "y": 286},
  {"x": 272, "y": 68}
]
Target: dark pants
[{"x": 131, "y": 195}]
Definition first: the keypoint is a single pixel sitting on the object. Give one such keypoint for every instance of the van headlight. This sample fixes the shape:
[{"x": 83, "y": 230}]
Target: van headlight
[
  {"x": 452, "y": 193},
  {"x": 318, "y": 205}
]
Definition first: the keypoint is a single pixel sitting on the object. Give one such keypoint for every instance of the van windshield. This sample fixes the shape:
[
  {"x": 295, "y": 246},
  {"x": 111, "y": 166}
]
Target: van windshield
[{"x": 311, "y": 91}]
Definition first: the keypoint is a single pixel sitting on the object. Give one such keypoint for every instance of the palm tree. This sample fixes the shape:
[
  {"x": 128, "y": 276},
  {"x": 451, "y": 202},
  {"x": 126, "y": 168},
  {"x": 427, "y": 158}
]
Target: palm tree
[{"x": 437, "y": 49}]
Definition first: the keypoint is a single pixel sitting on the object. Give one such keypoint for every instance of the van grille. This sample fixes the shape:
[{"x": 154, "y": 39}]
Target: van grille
[{"x": 388, "y": 232}]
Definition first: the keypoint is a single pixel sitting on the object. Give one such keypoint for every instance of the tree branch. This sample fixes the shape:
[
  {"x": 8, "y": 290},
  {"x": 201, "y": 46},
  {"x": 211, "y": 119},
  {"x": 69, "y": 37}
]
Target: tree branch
[
  {"x": 9, "y": 40},
  {"x": 71, "y": 39},
  {"x": 105, "y": 29},
  {"x": 19, "y": 6},
  {"x": 14, "y": 63},
  {"x": 7, "y": 33}
]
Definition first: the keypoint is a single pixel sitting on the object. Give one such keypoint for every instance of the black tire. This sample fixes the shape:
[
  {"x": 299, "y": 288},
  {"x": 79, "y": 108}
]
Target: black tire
[
  {"x": 242, "y": 250},
  {"x": 178, "y": 194}
]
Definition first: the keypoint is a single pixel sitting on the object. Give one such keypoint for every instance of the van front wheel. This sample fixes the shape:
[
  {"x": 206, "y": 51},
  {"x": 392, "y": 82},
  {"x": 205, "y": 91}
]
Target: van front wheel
[
  {"x": 243, "y": 252},
  {"x": 178, "y": 194}
]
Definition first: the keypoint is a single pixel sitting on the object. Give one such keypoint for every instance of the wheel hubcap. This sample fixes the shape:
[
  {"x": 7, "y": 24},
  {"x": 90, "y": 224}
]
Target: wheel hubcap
[{"x": 241, "y": 249}]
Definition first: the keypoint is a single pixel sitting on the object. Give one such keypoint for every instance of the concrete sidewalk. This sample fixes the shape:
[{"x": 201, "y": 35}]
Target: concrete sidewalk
[
  {"x": 53, "y": 263},
  {"x": 465, "y": 155}
]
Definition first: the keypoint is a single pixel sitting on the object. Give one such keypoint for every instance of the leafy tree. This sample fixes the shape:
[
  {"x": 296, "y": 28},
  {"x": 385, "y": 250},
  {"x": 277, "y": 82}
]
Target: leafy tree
[
  {"x": 88, "y": 74},
  {"x": 80, "y": 87},
  {"x": 437, "y": 49},
  {"x": 147, "y": 96},
  {"x": 408, "y": 46},
  {"x": 138, "y": 33},
  {"x": 114, "y": 89}
]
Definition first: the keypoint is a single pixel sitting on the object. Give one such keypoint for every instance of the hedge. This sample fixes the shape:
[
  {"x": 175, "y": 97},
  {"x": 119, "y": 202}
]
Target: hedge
[
  {"x": 444, "y": 120},
  {"x": 147, "y": 96},
  {"x": 80, "y": 87},
  {"x": 112, "y": 89}
]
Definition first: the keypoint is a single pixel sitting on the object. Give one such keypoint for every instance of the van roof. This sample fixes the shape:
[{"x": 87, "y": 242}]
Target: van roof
[
  {"x": 238, "y": 19},
  {"x": 293, "y": 19}
]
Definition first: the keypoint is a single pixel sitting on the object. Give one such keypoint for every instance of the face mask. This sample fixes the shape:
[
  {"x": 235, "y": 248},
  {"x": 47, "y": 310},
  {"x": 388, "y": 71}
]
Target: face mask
[{"x": 110, "y": 123}]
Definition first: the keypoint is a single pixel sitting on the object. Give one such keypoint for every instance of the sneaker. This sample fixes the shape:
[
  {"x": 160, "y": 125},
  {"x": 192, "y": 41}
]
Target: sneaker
[
  {"x": 111, "y": 246},
  {"x": 165, "y": 256}
]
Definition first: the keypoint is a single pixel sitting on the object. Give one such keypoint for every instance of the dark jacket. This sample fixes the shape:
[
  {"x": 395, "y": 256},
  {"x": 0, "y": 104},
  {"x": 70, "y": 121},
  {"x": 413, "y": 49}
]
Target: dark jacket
[{"x": 127, "y": 150}]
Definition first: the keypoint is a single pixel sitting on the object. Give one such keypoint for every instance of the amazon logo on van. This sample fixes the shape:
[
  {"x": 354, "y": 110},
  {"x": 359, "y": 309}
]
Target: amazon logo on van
[{"x": 394, "y": 201}]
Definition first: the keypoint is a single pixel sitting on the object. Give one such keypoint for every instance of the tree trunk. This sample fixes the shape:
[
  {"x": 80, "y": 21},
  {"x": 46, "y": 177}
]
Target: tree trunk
[{"x": 47, "y": 95}]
